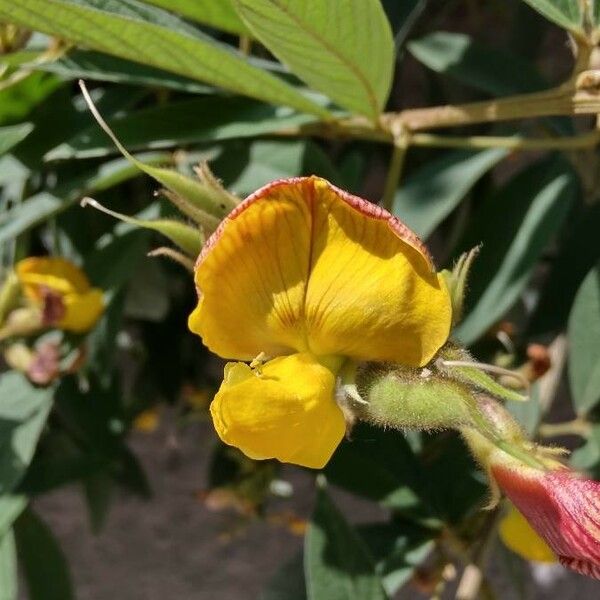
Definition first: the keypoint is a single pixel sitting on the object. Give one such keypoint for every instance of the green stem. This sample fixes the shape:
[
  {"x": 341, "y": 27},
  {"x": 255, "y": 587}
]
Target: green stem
[
  {"x": 394, "y": 173},
  {"x": 578, "y": 426},
  {"x": 515, "y": 143}
]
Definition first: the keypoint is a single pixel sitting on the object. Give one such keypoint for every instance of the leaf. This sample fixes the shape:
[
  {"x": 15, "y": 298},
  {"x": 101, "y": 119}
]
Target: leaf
[
  {"x": 527, "y": 413},
  {"x": 19, "y": 99},
  {"x": 220, "y": 14},
  {"x": 245, "y": 167},
  {"x": 337, "y": 563},
  {"x": 288, "y": 582},
  {"x": 11, "y": 506},
  {"x": 12, "y": 135},
  {"x": 380, "y": 465},
  {"x": 584, "y": 344},
  {"x": 89, "y": 65},
  {"x": 23, "y": 412},
  {"x": 44, "y": 205},
  {"x": 433, "y": 192},
  {"x": 399, "y": 548},
  {"x": 187, "y": 237},
  {"x": 8, "y": 567},
  {"x": 515, "y": 226},
  {"x": 178, "y": 123},
  {"x": 191, "y": 195},
  {"x": 565, "y": 13},
  {"x": 482, "y": 67},
  {"x": 587, "y": 457},
  {"x": 343, "y": 49},
  {"x": 45, "y": 568},
  {"x": 132, "y": 30},
  {"x": 578, "y": 253}
]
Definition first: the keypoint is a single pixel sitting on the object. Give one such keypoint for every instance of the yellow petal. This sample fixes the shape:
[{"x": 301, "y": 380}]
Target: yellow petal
[
  {"x": 518, "y": 535},
  {"x": 83, "y": 305},
  {"x": 82, "y": 311},
  {"x": 303, "y": 266},
  {"x": 286, "y": 410},
  {"x": 56, "y": 274},
  {"x": 371, "y": 294}
]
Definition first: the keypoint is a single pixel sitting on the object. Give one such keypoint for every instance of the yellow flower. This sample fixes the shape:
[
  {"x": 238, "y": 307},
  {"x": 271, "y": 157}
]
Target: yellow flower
[
  {"x": 147, "y": 421},
  {"x": 518, "y": 535},
  {"x": 309, "y": 276},
  {"x": 62, "y": 292}
]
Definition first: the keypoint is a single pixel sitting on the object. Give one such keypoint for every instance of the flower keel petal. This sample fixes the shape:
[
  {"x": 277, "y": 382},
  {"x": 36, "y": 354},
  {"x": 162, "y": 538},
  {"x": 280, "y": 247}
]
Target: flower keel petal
[{"x": 286, "y": 411}]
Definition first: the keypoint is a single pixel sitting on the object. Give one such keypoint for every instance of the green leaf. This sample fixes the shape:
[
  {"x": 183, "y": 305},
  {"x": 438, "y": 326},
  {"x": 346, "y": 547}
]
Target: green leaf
[
  {"x": 245, "y": 167},
  {"x": 23, "y": 412},
  {"x": 433, "y": 192},
  {"x": 220, "y": 14},
  {"x": 19, "y": 99},
  {"x": 179, "y": 123},
  {"x": 398, "y": 548},
  {"x": 343, "y": 49},
  {"x": 45, "y": 568},
  {"x": 206, "y": 202},
  {"x": 188, "y": 238},
  {"x": 587, "y": 457},
  {"x": 515, "y": 225},
  {"x": 527, "y": 413},
  {"x": 11, "y": 506},
  {"x": 482, "y": 67},
  {"x": 153, "y": 37},
  {"x": 44, "y": 205},
  {"x": 8, "y": 567},
  {"x": 565, "y": 13},
  {"x": 288, "y": 582},
  {"x": 89, "y": 65},
  {"x": 12, "y": 135},
  {"x": 578, "y": 253},
  {"x": 337, "y": 563},
  {"x": 380, "y": 465},
  {"x": 584, "y": 344}
]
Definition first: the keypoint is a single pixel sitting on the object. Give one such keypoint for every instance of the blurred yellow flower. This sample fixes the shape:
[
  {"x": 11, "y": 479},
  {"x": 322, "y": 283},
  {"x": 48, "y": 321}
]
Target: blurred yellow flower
[
  {"x": 518, "y": 535},
  {"x": 62, "y": 292},
  {"x": 147, "y": 421},
  {"x": 309, "y": 276}
]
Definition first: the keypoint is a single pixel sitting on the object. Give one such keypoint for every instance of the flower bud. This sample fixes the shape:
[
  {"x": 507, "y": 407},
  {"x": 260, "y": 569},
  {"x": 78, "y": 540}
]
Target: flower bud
[
  {"x": 561, "y": 506},
  {"x": 411, "y": 398}
]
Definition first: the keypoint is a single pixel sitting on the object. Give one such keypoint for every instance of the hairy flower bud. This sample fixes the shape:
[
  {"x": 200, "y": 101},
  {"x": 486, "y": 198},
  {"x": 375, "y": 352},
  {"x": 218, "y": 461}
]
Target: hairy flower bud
[
  {"x": 561, "y": 506},
  {"x": 409, "y": 398}
]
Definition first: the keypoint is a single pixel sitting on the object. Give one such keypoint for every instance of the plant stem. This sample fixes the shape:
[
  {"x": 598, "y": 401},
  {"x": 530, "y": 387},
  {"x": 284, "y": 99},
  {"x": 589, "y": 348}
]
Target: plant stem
[
  {"x": 394, "y": 173},
  {"x": 585, "y": 140},
  {"x": 472, "y": 582},
  {"x": 578, "y": 426}
]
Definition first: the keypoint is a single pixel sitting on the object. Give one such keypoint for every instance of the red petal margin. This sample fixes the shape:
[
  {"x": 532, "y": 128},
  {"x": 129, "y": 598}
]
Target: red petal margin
[
  {"x": 363, "y": 206},
  {"x": 564, "y": 509}
]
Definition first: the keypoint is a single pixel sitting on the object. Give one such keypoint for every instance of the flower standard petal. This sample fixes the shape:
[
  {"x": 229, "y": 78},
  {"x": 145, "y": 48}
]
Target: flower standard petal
[
  {"x": 301, "y": 265},
  {"x": 251, "y": 277},
  {"x": 372, "y": 292},
  {"x": 62, "y": 291},
  {"x": 56, "y": 274},
  {"x": 285, "y": 411}
]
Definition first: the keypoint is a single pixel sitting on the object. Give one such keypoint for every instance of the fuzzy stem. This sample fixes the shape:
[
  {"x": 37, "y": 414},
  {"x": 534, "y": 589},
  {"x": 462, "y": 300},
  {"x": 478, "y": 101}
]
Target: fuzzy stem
[{"x": 578, "y": 426}]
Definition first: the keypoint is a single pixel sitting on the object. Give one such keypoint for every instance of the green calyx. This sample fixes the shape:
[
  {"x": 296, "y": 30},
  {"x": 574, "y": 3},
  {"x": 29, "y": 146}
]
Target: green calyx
[
  {"x": 456, "y": 280},
  {"x": 406, "y": 398}
]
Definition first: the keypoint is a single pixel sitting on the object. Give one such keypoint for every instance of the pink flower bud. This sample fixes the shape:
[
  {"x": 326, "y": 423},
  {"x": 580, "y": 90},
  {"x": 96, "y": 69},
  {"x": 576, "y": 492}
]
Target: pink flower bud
[{"x": 562, "y": 507}]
